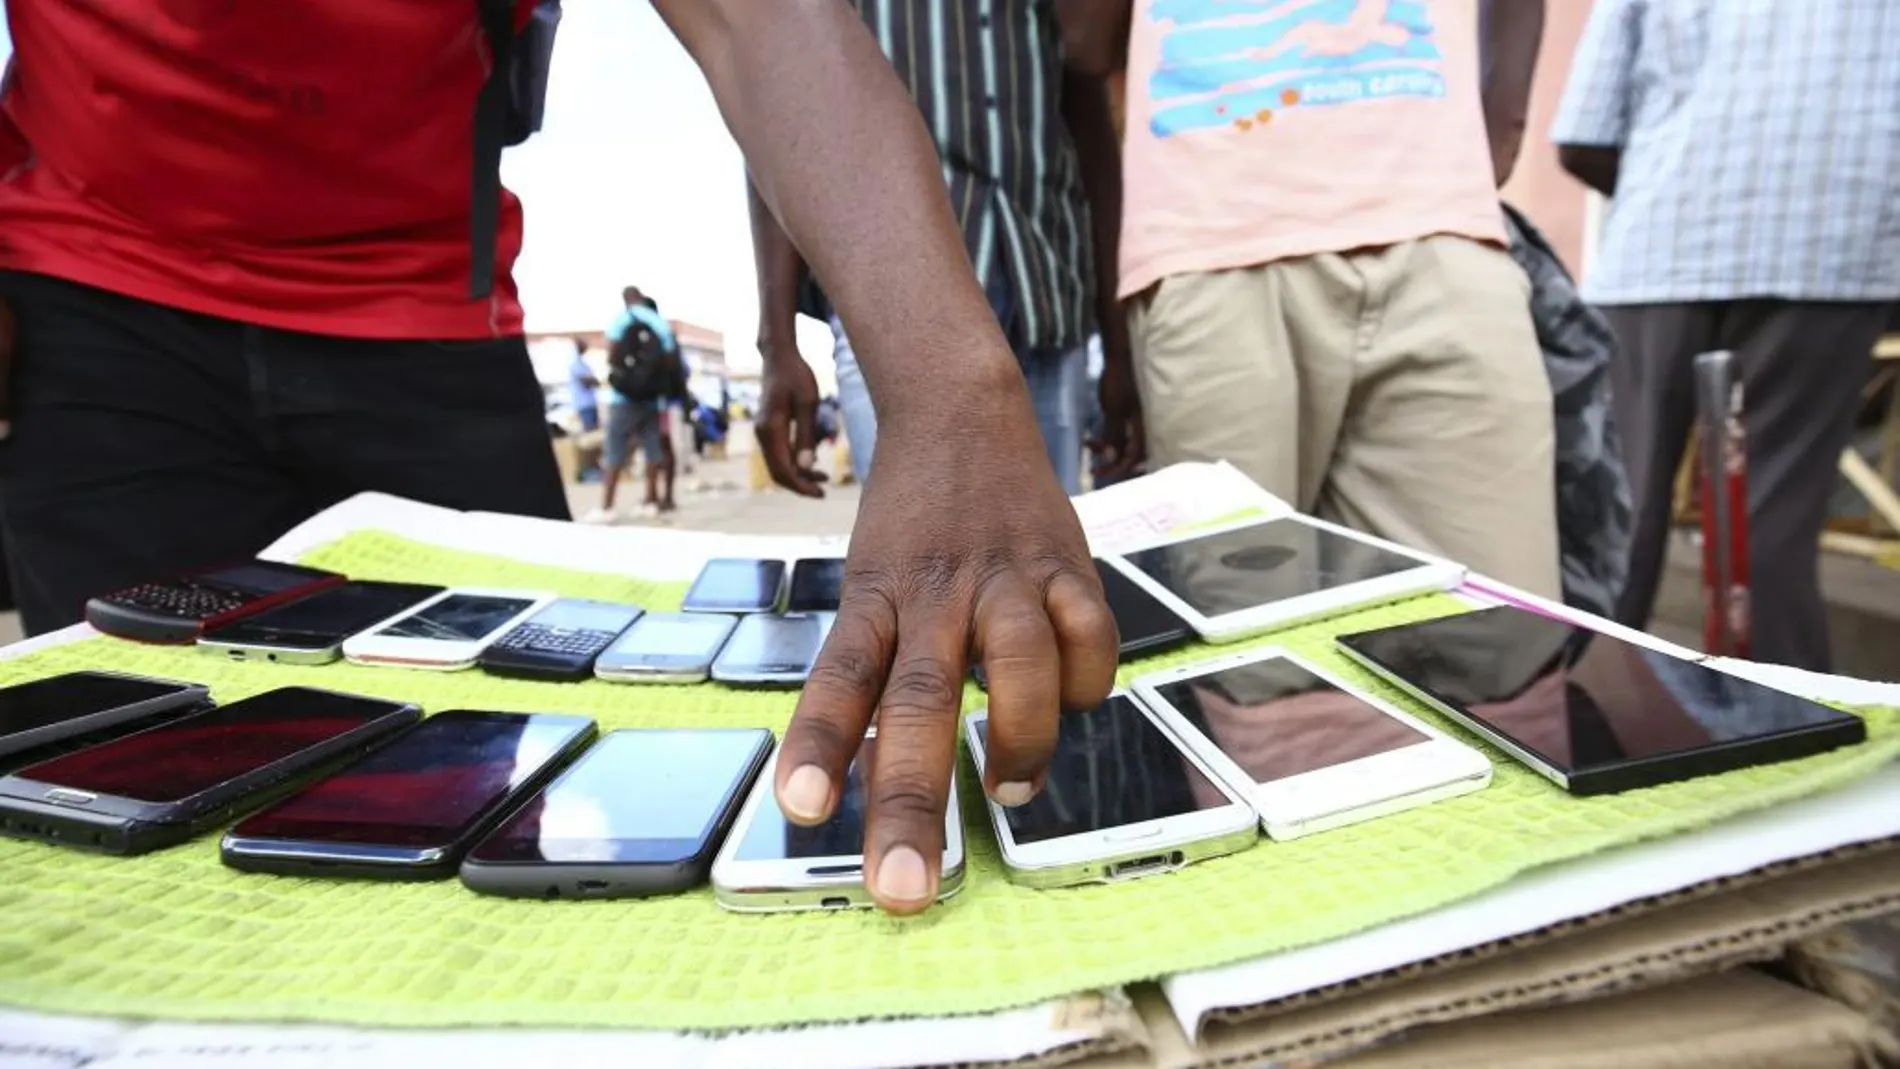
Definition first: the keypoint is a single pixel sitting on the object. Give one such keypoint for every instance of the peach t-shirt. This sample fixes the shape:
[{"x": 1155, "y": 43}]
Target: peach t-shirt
[{"x": 1260, "y": 130}]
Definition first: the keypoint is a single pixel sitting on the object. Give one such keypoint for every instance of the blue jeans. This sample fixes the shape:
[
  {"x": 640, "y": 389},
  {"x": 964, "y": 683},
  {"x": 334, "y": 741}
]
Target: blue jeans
[{"x": 1058, "y": 386}]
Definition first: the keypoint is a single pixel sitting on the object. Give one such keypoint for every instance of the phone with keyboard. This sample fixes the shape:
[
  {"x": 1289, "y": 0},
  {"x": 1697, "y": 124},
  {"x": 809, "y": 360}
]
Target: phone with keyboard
[
  {"x": 561, "y": 642},
  {"x": 181, "y": 609}
]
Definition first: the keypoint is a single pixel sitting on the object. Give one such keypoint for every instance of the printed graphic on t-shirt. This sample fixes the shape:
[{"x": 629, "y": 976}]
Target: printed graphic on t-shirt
[{"x": 1236, "y": 63}]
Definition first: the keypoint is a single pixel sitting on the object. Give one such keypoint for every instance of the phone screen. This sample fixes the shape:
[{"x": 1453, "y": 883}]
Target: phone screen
[
  {"x": 669, "y": 638},
  {"x": 638, "y": 796},
  {"x": 1113, "y": 767},
  {"x": 1275, "y": 719},
  {"x": 459, "y": 618},
  {"x": 44, "y": 702},
  {"x": 736, "y": 585},
  {"x": 576, "y": 614},
  {"x": 776, "y": 643},
  {"x": 817, "y": 584},
  {"x": 429, "y": 787},
  {"x": 770, "y": 837},
  {"x": 326, "y": 617},
  {"x": 196, "y": 753},
  {"x": 258, "y": 578},
  {"x": 1232, "y": 571},
  {"x": 1518, "y": 673}
]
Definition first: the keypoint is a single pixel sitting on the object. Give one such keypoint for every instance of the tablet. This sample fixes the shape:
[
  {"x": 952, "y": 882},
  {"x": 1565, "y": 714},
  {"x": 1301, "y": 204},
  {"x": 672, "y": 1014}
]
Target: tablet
[
  {"x": 1245, "y": 580},
  {"x": 1590, "y": 712}
]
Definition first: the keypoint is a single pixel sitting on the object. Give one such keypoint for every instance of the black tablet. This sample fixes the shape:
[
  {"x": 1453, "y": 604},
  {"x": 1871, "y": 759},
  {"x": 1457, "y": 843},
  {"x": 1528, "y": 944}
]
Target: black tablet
[{"x": 1590, "y": 712}]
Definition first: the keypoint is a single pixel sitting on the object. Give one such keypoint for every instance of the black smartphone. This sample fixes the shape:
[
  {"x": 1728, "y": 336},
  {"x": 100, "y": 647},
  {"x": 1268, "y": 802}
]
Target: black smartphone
[
  {"x": 37, "y": 715},
  {"x": 1147, "y": 626},
  {"x": 410, "y": 810},
  {"x": 179, "y": 610},
  {"x": 1590, "y": 712},
  {"x": 736, "y": 585},
  {"x": 641, "y": 813},
  {"x": 817, "y": 584},
  {"x": 561, "y": 642},
  {"x": 311, "y": 629},
  {"x": 168, "y": 783}
]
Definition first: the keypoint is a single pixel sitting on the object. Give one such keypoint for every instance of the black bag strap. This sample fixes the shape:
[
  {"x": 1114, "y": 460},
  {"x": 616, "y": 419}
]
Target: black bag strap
[{"x": 491, "y": 122}]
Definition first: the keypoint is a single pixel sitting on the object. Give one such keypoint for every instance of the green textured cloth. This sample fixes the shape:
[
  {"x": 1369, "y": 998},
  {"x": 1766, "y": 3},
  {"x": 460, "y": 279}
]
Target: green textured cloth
[{"x": 177, "y": 935}]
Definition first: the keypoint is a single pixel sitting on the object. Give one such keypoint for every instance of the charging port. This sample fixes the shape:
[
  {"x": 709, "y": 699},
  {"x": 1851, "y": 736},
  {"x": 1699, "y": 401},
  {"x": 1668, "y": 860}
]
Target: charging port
[
  {"x": 836, "y": 902},
  {"x": 592, "y": 885},
  {"x": 1143, "y": 866}
]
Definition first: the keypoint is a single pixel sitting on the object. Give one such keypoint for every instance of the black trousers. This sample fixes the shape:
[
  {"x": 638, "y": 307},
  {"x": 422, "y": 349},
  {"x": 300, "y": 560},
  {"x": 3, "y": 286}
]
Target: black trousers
[
  {"x": 1802, "y": 367},
  {"x": 148, "y": 441}
]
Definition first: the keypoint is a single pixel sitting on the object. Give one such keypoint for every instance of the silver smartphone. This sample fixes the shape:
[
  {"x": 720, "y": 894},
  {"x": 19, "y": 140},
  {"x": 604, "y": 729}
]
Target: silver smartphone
[
  {"x": 773, "y": 650},
  {"x": 666, "y": 647},
  {"x": 312, "y": 630}
]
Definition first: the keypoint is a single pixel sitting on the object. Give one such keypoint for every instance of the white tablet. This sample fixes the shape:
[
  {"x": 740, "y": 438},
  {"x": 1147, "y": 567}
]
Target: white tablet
[
  {"x": 1245, "y": 580},
  {"x": 1308, "y": 750}
]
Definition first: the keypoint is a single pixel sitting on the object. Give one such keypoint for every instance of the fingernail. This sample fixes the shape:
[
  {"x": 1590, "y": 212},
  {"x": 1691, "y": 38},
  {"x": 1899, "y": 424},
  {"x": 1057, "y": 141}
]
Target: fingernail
[
  {"x": 1011, "y": 795},
  {"x": 807, "y": 793},
  {"x": 901, "y": 876}
]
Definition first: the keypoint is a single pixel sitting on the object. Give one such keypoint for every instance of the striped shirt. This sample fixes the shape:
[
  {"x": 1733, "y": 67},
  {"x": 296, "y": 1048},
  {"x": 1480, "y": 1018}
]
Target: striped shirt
[
  {"x": 987, "y": 75},
  {"x": 1760, "y": 147}
]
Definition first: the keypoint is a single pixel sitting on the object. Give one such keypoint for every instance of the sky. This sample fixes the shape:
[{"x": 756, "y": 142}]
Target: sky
[{"x": 632, "y": 179}]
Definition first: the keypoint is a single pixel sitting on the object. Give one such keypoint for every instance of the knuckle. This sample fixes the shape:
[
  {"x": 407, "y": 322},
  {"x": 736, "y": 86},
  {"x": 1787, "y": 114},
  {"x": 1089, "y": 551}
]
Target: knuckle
[
  {"x": 849, "y": 668},
  {"x": 820, "y": 735},
  {"x": 908, "y": 798},
  {"x": 921, "y": 691}
]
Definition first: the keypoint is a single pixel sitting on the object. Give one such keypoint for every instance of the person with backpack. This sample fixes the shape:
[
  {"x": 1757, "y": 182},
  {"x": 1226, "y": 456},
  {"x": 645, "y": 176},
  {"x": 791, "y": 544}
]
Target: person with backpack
[
  {"x": 258, "y": 258},
  {"x": 647, "y": 375}
]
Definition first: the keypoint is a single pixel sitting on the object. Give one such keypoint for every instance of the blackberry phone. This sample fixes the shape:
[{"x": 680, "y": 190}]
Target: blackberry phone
[
  {"x": 312, "y": 630},
  {"x": 412, "y": 809},
  {"x": 642, "y": 813},
  {"x": 561, "y": 642},
  {"x": 36, "y": 716},
  {"x": 166, "y": 784},
  {"x": 181, "y": 609},
  {"x": 1147, "y": 626}
]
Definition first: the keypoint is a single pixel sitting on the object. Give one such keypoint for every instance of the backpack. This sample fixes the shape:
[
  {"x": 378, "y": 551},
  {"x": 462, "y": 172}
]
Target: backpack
[
  {"x": 642, "y": 367},
  {"x": 508, "y": 109}
]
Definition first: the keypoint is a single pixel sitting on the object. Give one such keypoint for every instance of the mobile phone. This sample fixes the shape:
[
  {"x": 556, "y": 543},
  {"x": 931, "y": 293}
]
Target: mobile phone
[
  {"x": 410, "y": 810},
  {"x": 770, "y": 864},
  {"x": 666, "y": 647},
  {"x": 1241, "y": 581},
  {"x": 1590, "y": 712},
  {"x": 1147, "y": 626},
  {"x": 1122, "y": 799},
  {"x": 166, "y": 784},
  {"x": 817, "y": 585},
  {"x": 736, "y": 585},
  {"x": 181, "y": 609},
  {"x": 44, "y": 712},
  {"x": 446, "y": 632},
  {"x": 311, "y": 630},
  {"x": 773, "y": 650},
  {"x": 641, "y": 813},
  {"x": 561, "y": 641},
  {"x": 1309, "y": 751}
]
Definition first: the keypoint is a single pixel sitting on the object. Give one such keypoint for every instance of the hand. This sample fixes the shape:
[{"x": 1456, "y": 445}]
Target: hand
[
  {"x": 1123, "y": 445},
  {"x": 788, "y": 421},
  {"x": 6, "y": 369},
  {"x": 964, "y": 544}
]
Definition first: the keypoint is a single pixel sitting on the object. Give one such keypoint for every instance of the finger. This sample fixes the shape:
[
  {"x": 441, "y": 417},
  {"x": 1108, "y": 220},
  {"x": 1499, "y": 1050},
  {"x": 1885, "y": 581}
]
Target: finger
[
  {"x": 834, "y": 709},
  {"x": 1086, "y": 634},
  {"x": 775, "y": 443},
  {"x": 916, "y": 750},
  {"x": 1023, "y": 664},
  {"x": 805, "y": 417}
]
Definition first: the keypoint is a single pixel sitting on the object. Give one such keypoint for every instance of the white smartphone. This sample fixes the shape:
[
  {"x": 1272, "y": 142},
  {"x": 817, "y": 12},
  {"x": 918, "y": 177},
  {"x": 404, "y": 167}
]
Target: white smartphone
[
  {"x": 446, "y": 632},
  {"x": 773, "y": 650},
  {"x": 769, "y": 865},
  {"x": 1244, "y": 580},
  {"x": 1122, "y": 799},
  {"x": 1307, "y": 749},
  {"x": 666, "y": 647}
]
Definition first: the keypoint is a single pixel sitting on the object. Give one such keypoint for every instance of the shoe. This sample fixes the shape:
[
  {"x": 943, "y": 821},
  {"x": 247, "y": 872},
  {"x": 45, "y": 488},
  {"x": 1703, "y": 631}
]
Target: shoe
[
  {"x": 601, "y": 517},
  {"x": 649, "y": 510}
]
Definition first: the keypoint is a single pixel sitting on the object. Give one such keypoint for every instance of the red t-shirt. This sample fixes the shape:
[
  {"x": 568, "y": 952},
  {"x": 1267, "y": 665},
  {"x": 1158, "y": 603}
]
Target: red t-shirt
[{"x": 303, "y": 165}]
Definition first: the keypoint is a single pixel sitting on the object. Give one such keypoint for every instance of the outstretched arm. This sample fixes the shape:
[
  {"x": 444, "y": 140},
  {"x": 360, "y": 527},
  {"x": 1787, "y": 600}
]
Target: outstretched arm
[{"x": 964, "y": 541}]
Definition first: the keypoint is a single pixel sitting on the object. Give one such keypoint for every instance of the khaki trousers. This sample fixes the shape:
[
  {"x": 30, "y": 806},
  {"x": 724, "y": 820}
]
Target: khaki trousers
[{"x": 1399, "y": 391}]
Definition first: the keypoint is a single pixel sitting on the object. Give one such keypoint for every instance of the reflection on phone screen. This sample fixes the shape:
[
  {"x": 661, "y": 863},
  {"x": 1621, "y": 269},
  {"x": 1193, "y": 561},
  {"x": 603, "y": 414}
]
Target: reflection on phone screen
[
  {"x": 1232, "y": 571},
  {"x": 458, "y": 618},
  {"x": 771, "y": 837}
]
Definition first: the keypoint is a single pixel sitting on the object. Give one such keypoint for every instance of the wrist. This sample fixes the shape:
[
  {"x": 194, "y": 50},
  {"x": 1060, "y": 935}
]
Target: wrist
[{"x": 962, "y": 388}]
